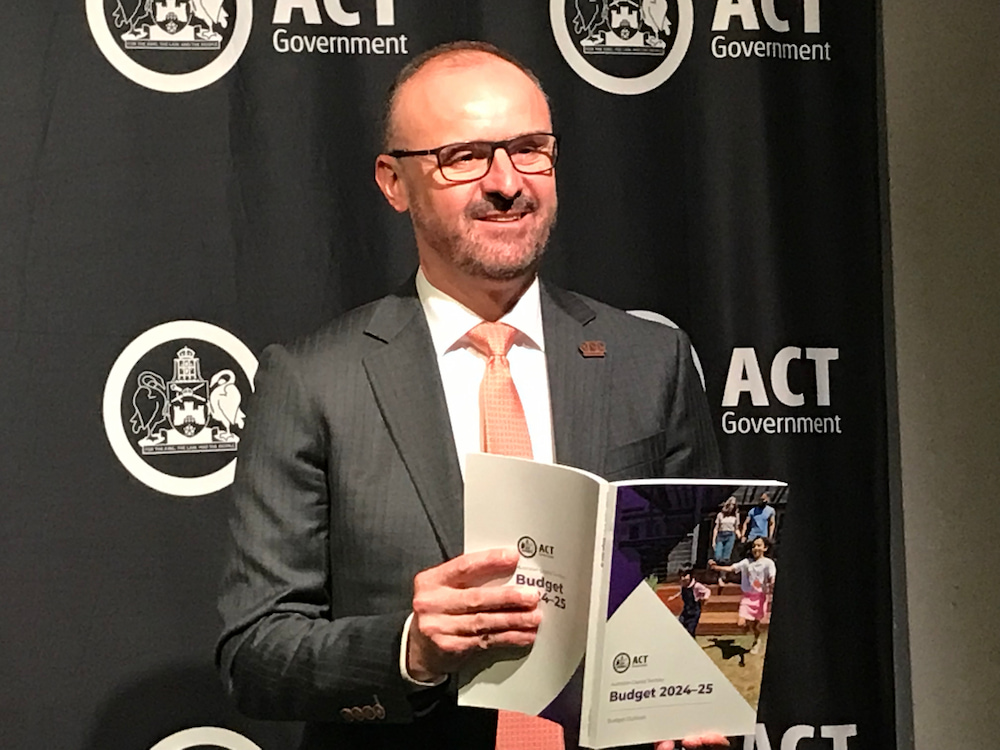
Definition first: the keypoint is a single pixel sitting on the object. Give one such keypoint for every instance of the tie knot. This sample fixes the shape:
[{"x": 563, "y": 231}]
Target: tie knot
[{"x": 492, "y": 339}]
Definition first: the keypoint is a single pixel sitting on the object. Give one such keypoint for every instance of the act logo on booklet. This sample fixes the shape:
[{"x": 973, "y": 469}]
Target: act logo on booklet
[
  {"x": 621, "y": 663},
  {"x": 527, "y": 547}
]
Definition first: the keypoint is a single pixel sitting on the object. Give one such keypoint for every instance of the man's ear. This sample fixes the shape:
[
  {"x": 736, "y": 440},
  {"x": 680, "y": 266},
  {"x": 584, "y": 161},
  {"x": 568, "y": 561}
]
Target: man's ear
[{"x": 391, "y": 183}]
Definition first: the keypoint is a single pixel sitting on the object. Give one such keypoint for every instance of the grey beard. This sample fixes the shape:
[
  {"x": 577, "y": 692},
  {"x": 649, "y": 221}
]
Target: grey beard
[
  {"x": 463, "y": 253},
  {"x": 469, "y": 256}
]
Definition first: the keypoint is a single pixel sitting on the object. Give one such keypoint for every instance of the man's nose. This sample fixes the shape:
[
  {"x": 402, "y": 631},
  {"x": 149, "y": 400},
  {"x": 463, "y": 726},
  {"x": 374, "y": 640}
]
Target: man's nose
[{"x": 502, "y": 178}]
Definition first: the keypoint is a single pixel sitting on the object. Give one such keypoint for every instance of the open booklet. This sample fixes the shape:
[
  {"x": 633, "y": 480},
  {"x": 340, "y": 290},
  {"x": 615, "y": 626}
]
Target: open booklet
[{"x": 643, "y": 636}]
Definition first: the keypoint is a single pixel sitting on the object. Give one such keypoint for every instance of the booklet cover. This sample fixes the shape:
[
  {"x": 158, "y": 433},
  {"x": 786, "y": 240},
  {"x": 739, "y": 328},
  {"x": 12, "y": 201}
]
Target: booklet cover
[{"x": 656, "y": 597}]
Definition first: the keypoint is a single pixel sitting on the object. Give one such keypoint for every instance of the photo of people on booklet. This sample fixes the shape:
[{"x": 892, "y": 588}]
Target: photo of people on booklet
[{"x": 710, "y": 554}]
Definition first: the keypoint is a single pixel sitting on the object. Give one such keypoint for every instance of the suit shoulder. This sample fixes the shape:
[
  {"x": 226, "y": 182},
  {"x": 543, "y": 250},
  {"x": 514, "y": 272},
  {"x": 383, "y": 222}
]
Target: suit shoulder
[
  {"x": 651, "y": 328},
  {"x": 341, "y": 342},
  {"x": 346, "y": 329}
]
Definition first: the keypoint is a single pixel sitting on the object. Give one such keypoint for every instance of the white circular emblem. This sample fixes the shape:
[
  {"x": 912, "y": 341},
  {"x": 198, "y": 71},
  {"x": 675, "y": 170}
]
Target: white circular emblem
[
  {"x": 148, "y": 40},
  {"x": 621, "y": 662},
  {"x": 182, "y": 426},
  {"x": 607, "y": 35},
  {"x": 205, "y": 737}
]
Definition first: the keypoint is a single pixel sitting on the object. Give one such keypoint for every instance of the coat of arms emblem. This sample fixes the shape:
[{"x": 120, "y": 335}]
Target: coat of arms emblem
[
  {"x": 173, "y": 406},
  {"x": 171, "y": 45},
  {"x": 622, "y": 27},
  {"x": 187, "y": 413},
  {"x": 171, "y": 24},
  {"x": 623, "y": 46}
]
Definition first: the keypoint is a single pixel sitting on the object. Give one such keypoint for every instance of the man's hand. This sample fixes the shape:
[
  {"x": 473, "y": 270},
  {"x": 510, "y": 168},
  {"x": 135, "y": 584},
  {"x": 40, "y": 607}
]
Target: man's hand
[
  {"x": 704, "y": 741},
  {"x": 456, "y": 615}
]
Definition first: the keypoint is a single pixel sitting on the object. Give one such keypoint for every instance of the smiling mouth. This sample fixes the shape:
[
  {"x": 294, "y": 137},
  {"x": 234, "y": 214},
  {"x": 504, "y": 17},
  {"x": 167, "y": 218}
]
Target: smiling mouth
[{"x": 503, "y": 218}]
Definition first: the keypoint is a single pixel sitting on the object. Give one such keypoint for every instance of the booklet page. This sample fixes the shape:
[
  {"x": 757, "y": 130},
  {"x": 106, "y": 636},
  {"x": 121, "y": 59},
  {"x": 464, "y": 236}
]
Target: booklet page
[
  {"x": 680, "y": 632},
  {"x": 549, "y": 513}
]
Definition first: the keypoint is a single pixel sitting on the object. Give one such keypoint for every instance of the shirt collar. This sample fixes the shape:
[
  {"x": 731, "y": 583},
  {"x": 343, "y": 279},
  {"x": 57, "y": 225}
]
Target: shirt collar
[{"x": 449, "y": 320}]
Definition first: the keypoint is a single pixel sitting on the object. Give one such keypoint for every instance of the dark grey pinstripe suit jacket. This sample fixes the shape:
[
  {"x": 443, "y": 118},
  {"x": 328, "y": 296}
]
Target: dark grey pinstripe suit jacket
[{"x": 348, "y": 484}]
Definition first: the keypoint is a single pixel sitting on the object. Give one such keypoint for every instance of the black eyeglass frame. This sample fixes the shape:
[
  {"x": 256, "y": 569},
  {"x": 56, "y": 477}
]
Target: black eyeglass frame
[{"x": 494, "y": 145}]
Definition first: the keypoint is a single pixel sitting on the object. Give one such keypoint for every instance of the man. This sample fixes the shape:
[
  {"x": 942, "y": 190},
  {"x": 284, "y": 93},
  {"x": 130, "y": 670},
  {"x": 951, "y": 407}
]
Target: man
[
  {"x": 347, "y": 602},
  {"x": 760, "y": 520}
]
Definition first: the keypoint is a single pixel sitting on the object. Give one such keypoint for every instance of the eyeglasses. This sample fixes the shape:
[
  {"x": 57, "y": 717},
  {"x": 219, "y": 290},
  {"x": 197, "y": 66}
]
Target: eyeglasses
[{"x": 534, "y": 153}]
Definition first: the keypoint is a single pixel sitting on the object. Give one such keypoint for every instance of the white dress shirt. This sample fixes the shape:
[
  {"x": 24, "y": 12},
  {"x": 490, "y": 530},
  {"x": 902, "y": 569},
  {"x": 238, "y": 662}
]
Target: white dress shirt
[{"x": 462, "y": 368}]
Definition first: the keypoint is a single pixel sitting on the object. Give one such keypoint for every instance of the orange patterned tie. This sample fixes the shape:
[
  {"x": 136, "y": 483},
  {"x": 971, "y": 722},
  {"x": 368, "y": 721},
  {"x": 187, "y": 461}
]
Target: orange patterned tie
[{"x": 504, "y": 430}]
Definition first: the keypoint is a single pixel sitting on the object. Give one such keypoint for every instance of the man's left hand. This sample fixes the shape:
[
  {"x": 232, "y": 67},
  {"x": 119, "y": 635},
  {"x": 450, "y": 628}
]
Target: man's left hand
[{"x": 704, "y": 741}]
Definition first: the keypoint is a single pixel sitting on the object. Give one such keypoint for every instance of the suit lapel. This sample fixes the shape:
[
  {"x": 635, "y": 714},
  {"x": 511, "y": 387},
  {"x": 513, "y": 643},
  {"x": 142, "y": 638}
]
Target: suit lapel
[
  {"x": 406, "y": 382},
  {"x": 577, "y": 385}
]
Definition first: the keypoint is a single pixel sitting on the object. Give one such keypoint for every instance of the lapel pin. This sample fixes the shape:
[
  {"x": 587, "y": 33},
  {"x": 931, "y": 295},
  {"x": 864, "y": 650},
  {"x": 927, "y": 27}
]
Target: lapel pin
[{"x": 593, "y": 349}]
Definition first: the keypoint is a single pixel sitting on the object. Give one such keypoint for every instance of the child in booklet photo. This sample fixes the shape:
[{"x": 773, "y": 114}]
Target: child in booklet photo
[
  {"x": 757, "y": 575},
  {"x": 693, "y": 594}
]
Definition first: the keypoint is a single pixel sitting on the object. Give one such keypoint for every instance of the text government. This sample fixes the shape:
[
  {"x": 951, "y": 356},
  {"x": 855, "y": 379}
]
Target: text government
[
  {"x": 283, "y": 42},
  {"x": 734, "y": 49},
  {"x": 732, "y": 425}
]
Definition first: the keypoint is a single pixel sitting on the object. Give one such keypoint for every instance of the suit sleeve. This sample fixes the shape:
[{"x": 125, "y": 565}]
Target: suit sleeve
[
  {"x": 283, "y": 654},
  {"x": 691, "y": 450}
]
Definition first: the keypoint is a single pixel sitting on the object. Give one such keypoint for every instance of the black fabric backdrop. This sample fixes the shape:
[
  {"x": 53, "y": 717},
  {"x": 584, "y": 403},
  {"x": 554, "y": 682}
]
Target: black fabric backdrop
[{"x": 739, "y": 198}]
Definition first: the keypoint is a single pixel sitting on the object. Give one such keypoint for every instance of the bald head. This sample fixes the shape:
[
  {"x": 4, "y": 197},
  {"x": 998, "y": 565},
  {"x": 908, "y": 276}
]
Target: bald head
[{"x": 453, "y": 55}]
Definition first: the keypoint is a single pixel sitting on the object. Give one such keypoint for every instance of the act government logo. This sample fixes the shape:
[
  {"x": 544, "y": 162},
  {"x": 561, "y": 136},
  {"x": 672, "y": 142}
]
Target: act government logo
[
  {"x": 623, "y": 46},
  {"x": 173, "y": 406},
  {"x": 171, "y": 45},
  {"x": 527, "y": 547},
  {"x": 621, "y": 662}
]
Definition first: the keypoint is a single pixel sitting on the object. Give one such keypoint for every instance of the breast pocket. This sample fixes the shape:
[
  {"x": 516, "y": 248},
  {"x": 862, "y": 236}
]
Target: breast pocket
[{"x": 640, "y": 459}]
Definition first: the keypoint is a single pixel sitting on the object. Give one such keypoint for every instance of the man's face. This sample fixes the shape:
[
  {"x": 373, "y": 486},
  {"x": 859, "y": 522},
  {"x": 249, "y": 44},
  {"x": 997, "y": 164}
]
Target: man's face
[{"x": 493, "y": 228}]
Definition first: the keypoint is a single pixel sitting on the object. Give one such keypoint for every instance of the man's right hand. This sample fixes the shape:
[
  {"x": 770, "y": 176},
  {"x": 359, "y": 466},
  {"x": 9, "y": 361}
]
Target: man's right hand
[{"x": 455, "y": 614}]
